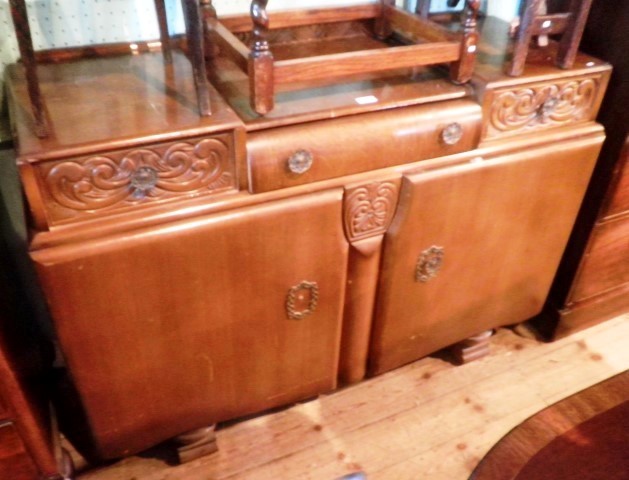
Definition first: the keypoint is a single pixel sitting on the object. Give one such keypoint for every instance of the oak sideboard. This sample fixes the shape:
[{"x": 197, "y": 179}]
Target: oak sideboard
[{"x": 200, "y": 269}]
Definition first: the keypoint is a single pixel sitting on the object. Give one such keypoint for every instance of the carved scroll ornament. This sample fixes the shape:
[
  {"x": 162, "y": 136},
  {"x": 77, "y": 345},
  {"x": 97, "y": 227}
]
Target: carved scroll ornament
[
  {"x": 543, "y": 105},
  {"x": 143, "y": 174},
  {"x": 369, "y": 209}
]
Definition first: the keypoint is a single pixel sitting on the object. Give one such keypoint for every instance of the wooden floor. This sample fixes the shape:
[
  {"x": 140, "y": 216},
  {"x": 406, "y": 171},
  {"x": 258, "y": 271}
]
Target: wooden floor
[{"x": 428, "y": 420}]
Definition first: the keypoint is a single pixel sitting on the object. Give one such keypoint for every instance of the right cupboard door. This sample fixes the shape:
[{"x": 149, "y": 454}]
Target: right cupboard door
[{"x": 475, "y": 246}]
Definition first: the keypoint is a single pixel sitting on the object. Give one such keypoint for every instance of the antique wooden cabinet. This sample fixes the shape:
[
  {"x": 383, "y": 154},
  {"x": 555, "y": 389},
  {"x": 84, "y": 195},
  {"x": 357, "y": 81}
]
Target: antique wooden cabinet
[
  {"x": 198, "y": 269},
  {"x": 592, "y": 284}
]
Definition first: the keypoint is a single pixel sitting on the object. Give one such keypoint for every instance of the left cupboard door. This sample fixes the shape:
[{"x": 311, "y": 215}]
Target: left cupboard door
[{"x": 177, "y": 327}]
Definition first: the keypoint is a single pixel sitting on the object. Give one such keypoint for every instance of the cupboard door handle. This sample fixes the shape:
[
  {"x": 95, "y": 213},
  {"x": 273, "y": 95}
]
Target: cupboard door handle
[
  {"x": 452, "y": 134},
  {"x": 300, "y": 161},
  {"x": 429, "y": 263},
  {"x": 297, "y": 294}
]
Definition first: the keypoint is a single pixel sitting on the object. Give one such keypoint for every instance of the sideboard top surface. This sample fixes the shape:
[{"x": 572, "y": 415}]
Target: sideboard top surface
[{"x": 126, "y": 99}]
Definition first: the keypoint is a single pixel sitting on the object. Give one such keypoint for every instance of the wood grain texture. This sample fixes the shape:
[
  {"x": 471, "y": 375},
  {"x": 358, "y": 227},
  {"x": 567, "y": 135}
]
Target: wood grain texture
[
  {"x": 526, "y": 239},
  {"x": 605, "y": 265},
  {"x": 306, "y": 16},
  {"x": 374, "y": 426},
  {"x": 353, "y": 63},
  {"x": 605, "y": 198},
  {"x": 212, "y": 339},
  {"x": 617, "y": 200},
  {"x": 369, "y": 141}
]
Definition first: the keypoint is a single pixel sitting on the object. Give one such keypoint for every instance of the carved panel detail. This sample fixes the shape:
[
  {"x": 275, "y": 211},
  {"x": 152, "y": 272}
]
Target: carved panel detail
[
  {"x": 541, "y": 106},
  {"x": 140, "y": 175},
  {"x": 369, "y": 209}
]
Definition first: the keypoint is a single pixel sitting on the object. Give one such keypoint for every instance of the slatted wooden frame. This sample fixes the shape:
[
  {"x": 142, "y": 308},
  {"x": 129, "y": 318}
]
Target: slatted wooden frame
[{"x": 425, "y": 43}]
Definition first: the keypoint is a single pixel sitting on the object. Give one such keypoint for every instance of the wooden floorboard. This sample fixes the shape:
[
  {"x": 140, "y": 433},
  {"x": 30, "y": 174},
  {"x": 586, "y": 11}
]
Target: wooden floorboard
[{"x": 427, "y": 420}]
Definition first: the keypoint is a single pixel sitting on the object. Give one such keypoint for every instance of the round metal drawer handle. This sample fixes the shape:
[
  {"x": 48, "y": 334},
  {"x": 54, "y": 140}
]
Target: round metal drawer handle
[
  {"x": 452, "y": 134},
  {"x": 300, "y": 161},
  {"x": 143, "y": 180}
]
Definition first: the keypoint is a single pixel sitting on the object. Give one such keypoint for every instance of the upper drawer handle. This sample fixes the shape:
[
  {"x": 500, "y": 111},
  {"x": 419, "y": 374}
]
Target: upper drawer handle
[
  {"x": 452, "y": 134},
  {"x": 300, "y": 161}
]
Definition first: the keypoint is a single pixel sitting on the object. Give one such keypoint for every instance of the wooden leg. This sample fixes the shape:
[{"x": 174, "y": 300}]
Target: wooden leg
[
  {"x": 523, "y": 38},
  {"x": 382, "y": 26},
  {"x": 472, "y": 348},
  {"x": 572, "y": 36},
  {"x": 461, "y": 71},
  {"x": 261, "y": 79},
  {"x": 194, "y": 28},
  {"x": 196, "y": 443},
  {"x": 160, "y": 9},
  {"x": 19, "y": 15}
]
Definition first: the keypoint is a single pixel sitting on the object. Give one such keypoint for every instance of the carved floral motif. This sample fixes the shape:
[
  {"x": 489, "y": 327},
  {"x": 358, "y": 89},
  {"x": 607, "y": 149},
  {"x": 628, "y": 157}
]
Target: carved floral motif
[
  {"x": 543, "y": 105},
  {"x": 369, "y": 209},
  {"x": 142, "y": 174}
]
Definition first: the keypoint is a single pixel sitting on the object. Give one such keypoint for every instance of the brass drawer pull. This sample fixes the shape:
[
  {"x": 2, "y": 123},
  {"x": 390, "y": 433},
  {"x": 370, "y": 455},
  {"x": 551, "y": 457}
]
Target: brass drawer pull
[
  {"x": 300, "y": 162},
  {"x": 429, "y": 263},
  {"x": 452, "y": 134},
  {"x": 298, "y": 294}
]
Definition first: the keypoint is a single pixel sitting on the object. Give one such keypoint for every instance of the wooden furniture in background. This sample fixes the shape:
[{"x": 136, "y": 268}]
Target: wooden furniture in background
[
  {"x": 306, "y": 46},
  {"x": 582, "y": 437},
  {"x": 194, "y": 30},
  {"x": 536, "y": 21},
  {"x": 28, "y": 446},
  {"x": 592, "y": 284},
  {"x": 199, "y": 269}
]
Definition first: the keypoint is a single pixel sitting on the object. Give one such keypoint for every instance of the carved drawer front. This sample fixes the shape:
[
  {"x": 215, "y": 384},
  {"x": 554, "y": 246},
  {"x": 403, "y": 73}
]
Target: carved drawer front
[
  {"x": 295, "y": 155},
  {"x": 80, "y": 187},
  {"x": 543, "y": 105}
]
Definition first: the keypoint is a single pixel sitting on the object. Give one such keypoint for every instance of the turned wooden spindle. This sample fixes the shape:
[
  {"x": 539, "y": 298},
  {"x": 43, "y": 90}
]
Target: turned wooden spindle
[
  {"x": 461, "y": 71},
  {"x": 19, "y": 15},
  {"x": 207, "y": 9},
  {"x": 260, "y": 60}
]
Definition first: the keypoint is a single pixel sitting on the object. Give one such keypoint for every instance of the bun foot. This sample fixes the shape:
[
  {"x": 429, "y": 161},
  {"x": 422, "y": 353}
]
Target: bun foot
[
  {"x": 196, "y": 443},
  {"x": 472, "y": 348}
]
